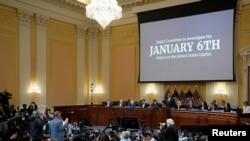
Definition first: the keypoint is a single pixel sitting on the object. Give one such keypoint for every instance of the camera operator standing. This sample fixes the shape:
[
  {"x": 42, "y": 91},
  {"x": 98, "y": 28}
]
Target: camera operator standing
[
  {"x": 36, "y": 126},
  {"x": 12, "y": 132}
]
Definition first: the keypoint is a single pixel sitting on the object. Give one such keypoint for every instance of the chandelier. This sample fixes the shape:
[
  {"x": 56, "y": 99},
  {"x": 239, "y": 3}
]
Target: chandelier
[{"x": 103, "y": 11}]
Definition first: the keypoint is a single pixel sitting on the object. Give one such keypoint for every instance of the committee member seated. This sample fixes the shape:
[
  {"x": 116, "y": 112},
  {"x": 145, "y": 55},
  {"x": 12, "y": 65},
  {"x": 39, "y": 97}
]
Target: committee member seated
[
  {"x": 108, "y": 103},
  {"x": 246, "y": 107},
  {"x": 190, "y": 105},
  {"x": 178, "y": 104},
  {"x": 132, "y": 104},
  {"x": 144, "y": 104},
  {"x": 204, "y": 106},
  {"x": 155, "y": 104},
  {"x": 227, "y": 107},
  {"x": 212, "y": 107},
  {"x": 121, "y": 104}
]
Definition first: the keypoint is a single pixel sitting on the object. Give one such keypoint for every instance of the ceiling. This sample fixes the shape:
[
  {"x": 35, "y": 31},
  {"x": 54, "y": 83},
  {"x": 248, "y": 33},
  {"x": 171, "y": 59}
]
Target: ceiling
[{"x": 126, "y": 5}]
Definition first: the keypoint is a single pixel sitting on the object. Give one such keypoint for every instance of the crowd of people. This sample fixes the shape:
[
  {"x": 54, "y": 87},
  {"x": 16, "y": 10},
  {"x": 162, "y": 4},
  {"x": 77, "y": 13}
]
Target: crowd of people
[{"x": 28, "y": 124}]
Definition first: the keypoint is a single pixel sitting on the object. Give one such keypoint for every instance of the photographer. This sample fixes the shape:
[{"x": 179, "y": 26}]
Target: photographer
[
  {"x": 73, "y": 130},
  {"x": 48, "y": 114},
  {"x": 3, "y": 120},
  {"x": 12, "y": 133},
  {"x": 37, "y": 121},
  {"x": 168, "y": 132}
]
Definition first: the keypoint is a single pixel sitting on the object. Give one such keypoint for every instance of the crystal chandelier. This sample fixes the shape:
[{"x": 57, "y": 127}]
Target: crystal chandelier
[{"x": 103, "y": 11}]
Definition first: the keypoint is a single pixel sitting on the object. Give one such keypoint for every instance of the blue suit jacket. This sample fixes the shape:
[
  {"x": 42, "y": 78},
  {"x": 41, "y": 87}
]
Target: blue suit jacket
[{"x": 57, "y": 129}]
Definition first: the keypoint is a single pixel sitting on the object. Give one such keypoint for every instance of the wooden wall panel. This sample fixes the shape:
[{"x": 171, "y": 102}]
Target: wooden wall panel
[
  {"x": 61, "y": 64},
  {"x": 9, "y": 53},
  {"x": 124, "y": 63}
]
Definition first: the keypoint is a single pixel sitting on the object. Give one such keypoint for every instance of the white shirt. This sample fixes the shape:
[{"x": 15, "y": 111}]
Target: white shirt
[{"x": 246, "y": 109}]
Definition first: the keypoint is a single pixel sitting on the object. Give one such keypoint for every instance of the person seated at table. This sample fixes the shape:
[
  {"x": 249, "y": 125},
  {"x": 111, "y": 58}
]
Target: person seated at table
[
  {"x": 178, "y": 104},
  {"x": 144, "y": 104},
  {"x": 121, "y": 103},
  {"x": 203, "y": 106},
  {"x": 108, "y": 103},
  {"x": 227, "y": 107},
  {"x": 155, "y": 104},
  {"x": 212, "y": 106},
  {"x": 190, "y": 105},
  {"x": 246, "y": 107},
  {"x": 132, "y": 104}
]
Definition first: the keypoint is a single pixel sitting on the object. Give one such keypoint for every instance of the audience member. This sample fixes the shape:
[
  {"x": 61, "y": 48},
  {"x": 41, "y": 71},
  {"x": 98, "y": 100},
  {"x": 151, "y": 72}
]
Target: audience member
[
  {"x": 125, "y": 136},
  {"x": 104, "y": 137},
  {"x": 113, "y": 136},
  {"x": 24, "y": 111},
  {"x": 57, "y": 126},
  {"x": 36, "y": 126},
  {"x": 73, "y": 130},
  {"x": 12, "y": 132},
  {"x": 3, "y": 120},
  {"x": 246, "y": 107},
  {"x": 32, "y": 107},
  {"x": 11, "y": 112}
]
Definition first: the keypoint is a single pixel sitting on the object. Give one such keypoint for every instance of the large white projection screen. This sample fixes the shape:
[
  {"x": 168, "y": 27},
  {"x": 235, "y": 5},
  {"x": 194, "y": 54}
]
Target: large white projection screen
[{"x": 197, "y": 47}]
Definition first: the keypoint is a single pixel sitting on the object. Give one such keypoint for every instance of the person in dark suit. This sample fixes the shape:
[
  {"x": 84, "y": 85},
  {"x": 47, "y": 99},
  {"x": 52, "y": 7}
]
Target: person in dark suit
[
  {"x": 121, "y": 104},
  {"x": 190, "y": 105},
  {"x": 204, "y": 106},
  {"x": 155, "y": 104},
  {"x": 132, "y": 104},
  {"x": 108, "y": 103},
  {"x": 169, "y": 100},
  {"x": 168, "y": 132},
  {"x": 212, "y": 106},
  {"x": 57, "y": 127},
  {"x": 144, "y": 104},
  {"x": 227, "y": 107},
  {"x": 36, "y": 126}
]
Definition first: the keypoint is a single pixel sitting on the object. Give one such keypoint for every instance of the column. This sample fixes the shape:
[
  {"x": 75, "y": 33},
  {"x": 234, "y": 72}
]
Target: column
[
  {"x": 105, "y": 63},
  {"x": 80, "y": 65},
  {"x": 93, "y": 46},
  {"x": 24, "y": 36},
  {"x": 41, "y": 22}
]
